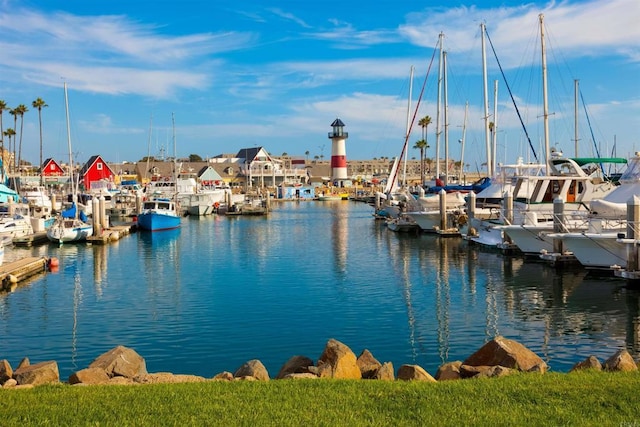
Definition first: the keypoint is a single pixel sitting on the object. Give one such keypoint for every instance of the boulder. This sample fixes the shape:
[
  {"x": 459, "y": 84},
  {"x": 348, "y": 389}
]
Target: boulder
[
  {"x": 5, "y": 371},
  {"x": 295, "y": 365},
  {"x": 494, "y": 372},
  {"x": 121, "y": 362},
  {"x": 223, "y": 376},
  {"x": 300, "y": 376},
  {"x": 40, "y": 373},
  {"x": 338, "y": 361},
  {"x": 10, "y": 383},
  {"x": 368, "y": 364},
  {"x": 253, "y": 368},
  {"x": 620, "y": 361},
  {"x": 449, "y": 371},
  {"x": 504, "y": 352},
  {"x": 385, "y": 372},
  {"x": 23, "y": 363},
  {"x": 167, "y": 378},
  {"x": 590, "y": 362},
  {"x": 89, "y": 376},
  {"x": 414, "y": 373}
]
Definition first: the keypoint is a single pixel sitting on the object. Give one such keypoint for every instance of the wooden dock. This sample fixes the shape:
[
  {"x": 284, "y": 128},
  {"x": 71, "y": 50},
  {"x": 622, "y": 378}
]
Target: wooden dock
[
  {"x": 12, "y": 273},
  {"x": 31, "y": 240}
]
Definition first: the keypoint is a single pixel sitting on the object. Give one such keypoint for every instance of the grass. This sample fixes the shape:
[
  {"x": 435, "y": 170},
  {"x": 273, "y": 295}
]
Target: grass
[{"x": 576, "y": 399}]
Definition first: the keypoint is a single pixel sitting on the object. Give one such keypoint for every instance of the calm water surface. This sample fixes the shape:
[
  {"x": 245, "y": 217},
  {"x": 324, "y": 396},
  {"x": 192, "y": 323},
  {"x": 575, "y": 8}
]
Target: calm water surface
[{"x": 220, "y": 291}]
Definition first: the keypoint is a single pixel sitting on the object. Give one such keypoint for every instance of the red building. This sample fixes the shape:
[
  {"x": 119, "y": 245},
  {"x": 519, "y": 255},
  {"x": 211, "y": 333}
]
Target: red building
[
  {"x": 51, "y": 168},
  {"x": 94, "y": 170}
]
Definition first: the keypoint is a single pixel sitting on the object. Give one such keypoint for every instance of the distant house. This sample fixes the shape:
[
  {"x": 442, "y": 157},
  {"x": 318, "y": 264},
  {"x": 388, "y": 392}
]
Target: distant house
[
  {"x": 96, "y": 169},
  {"x": 51, "y": 168},
  {"x": 209, "y": 177}
]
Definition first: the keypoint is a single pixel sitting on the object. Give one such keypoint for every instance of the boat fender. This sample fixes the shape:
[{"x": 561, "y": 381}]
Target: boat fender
[
  {"x": 216, "y": 205},
  {"x": 462, "y": 219}
]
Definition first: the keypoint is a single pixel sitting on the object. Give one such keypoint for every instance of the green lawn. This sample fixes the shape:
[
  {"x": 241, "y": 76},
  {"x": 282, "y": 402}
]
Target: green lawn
[{"x": 576, "y": 399}]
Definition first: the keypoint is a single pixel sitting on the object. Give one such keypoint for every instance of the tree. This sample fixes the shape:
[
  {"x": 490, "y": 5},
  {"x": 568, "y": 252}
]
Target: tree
[
  {"x": 424, "y": 124},
  {"x": 3, "y": 106},
  {"x": 40, "y": 104},
  {"x": 194, "y": 158},
  {"x": 422, "y": 146},
  {"x": 12, "y": 148},
  {"x": 306, "y": 153},
  {"x": 21, "y": 110},
  {"x": 9, "y": 133}
]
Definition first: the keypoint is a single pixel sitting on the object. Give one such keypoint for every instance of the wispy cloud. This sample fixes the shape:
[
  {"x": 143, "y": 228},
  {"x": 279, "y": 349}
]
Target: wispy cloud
[{"x": 289, "y": 17}]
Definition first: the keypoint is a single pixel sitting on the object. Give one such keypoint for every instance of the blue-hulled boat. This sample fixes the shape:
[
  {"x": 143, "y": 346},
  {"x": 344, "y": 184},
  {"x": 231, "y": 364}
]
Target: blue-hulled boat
[{"x": 158, "y": 214}]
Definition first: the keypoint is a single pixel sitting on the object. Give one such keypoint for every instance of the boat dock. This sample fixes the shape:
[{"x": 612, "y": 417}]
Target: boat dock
[
  {"x": 111, "y": 234},
  {"x": 31, "y": 240},
  {"x": 14, "y": 272}
]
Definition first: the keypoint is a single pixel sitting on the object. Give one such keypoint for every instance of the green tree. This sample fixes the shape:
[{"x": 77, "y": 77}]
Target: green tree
[
  {"x": 12, "y": 141},
  {"x": 306, "y": 153},
  {"x": 424, "y": 124},
  {"x": 194, "y": 158},
  {"x": 21, "y": 110},
  {"x": 422, "y": 146},
  {"x": 40, "y": 104},
  {"x": 9, "y": 133},
  {"x": 3, "y": 106}
]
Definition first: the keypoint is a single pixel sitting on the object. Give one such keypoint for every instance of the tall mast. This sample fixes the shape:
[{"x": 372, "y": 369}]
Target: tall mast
[
  {"x": 440, "y": 37},
  {"x": 485, "y": 92},
  {"x": 495, "y": 128},
  {"x": 464, "y": 135},
  {"x": 575, "y": 115},
  {"x": 408, "y": 129},
  {"x": 446, "y": 119},
  {"x": 545, "y": 111}
]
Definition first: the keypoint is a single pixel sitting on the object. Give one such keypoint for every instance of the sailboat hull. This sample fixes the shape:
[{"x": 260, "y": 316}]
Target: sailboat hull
[{"x": 69, "y": 231}]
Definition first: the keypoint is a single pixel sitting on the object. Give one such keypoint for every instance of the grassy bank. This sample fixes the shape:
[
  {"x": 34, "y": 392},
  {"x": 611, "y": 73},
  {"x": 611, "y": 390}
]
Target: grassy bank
[{"x": 587, "y": 398}]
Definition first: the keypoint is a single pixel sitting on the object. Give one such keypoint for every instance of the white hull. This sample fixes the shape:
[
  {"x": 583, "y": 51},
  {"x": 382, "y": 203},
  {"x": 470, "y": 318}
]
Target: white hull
[
  {"x": 485, "y": 233},
  {"x": 69, "y": 230},
  {"x": 530, "y": 239},
  {"x": 596, "y": 250},
  {"x": 427, "y": 221}
]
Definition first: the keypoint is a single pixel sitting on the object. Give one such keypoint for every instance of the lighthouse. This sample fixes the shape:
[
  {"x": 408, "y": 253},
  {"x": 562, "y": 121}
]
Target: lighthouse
[{"x": 338, "y": 153}]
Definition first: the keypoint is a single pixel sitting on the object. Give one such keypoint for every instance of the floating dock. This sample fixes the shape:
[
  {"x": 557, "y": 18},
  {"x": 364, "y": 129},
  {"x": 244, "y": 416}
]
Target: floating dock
[
  {"x": 31, "y": 240},
  {"x": 11, "y": 274}
]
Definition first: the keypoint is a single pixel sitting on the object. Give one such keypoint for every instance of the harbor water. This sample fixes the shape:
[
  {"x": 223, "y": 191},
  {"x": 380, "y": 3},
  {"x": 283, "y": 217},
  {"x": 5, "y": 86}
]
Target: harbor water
[{"x": 220, "y": 291}]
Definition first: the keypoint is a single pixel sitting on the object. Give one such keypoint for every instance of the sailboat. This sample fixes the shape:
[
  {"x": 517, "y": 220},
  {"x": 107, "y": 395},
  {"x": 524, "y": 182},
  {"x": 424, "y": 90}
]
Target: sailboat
[
  {"x": 161, "y": 213},
  {"x": 70, "y": 225}
]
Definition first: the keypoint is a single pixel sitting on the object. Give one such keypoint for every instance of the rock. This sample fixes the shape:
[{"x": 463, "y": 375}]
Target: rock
[
  {"x": 167, "y": 378},
  {"x": 121, "y": 361},
  {"x": 494, "y": 372},
  {"x": 121, "y": 381},
  {"x": 40, "y": 373},
  {"x": 468, "y": 371},
  {"x": 338, "y": 361},
  {"x": 295, "y": 365},
  {"x": 367, "y": 364},
  {"x": 223, "y": 376},
  {"x": 414, "y": 373},
  {"x": 253, "y": 368},
  {"x": 449, "y": 371},
  {"x": 385, "y": 372},
  {"x": 89, "y": 376},
  {"x": 590, "y": 362},
  {"x": 300, "y": 376},
  {"x": 620, "y": 361},
  {"x": 507, "y": 353},
  {"x": 5, "y": 371},
  {"x": 10, "y": 383},
  {"x": 24, "y": 363}
]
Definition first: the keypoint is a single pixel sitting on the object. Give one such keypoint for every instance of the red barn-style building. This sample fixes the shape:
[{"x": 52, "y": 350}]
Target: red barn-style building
[
  {"x": 96, "y": 169},
  {"x": 51, "y": 168}
]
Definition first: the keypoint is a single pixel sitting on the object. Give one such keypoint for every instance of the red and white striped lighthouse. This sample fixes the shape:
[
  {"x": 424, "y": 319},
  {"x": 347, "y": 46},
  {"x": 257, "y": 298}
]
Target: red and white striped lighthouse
[{"x": 338, "y": 151}]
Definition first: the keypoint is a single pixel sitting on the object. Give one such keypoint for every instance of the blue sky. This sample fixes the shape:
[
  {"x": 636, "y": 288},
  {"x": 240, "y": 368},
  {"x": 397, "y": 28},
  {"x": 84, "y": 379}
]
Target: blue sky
[{"x": 277, "y": 73}]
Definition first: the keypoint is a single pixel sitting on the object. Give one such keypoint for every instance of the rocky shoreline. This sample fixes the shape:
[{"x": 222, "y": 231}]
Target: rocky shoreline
[{"x": 122, "y": 365}]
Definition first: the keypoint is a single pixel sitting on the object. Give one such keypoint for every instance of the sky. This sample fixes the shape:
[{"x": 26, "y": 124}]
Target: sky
[{"x": 221, "y": 76}]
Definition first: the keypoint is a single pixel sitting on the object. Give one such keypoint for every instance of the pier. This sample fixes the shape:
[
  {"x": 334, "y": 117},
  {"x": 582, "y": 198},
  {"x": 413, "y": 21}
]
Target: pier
[{"x": 13, "y": 273}]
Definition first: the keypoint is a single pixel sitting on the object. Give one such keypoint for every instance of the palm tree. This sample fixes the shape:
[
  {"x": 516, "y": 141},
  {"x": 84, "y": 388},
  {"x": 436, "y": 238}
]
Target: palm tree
[
  {"x": 9, "y": 133},
  {"x": 39, "y": 104},
  {"x": 21, "y": 110},
  {"x": 306, "y": 153},
  {"x": 424, "y": 124},
  {"x": 3, "y": 106},
  {"x": 12, "y": 148},
  {"x": 422, "y": 146}
]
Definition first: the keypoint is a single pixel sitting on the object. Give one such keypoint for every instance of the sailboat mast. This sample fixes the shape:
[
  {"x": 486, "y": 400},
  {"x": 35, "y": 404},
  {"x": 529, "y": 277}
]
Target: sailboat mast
[
  {"x": 66, "y": 107},
  {"x": 485, "y": 91},
  {"x": 408, "y": 129},
  {"x": 575, "y": 115},
  {"x": 446, "y": 119},
  {"x": 545, "y": 106},
  {"x": 464, "y": 135},
  {"x": 440, "y": 37},
  {"x": 495, "y": 128}
]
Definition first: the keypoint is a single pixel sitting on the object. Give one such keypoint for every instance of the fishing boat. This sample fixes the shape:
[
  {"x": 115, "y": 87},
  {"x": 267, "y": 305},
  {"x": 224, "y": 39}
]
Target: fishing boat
[
  {"x": 70, "y": 225},
  {"x": 160, "y": 213}
]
